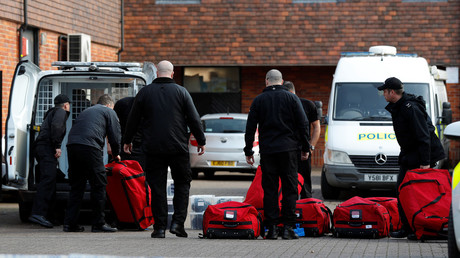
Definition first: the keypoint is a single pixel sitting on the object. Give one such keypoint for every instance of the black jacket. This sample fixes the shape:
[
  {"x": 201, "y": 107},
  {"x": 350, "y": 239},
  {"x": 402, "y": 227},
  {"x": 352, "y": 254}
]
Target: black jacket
[
  {"x": 167, "y": 109},
  {"x": 415, "y": 132},
  {"x": 93, "y": 125},
  {"x": 53, "y": 128},
  {"x": 281, "y": 119}
]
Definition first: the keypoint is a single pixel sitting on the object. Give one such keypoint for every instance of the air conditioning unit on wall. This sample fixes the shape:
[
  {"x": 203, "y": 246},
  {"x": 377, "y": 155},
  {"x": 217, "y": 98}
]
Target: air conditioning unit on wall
[{"x": 79, "y": 47}]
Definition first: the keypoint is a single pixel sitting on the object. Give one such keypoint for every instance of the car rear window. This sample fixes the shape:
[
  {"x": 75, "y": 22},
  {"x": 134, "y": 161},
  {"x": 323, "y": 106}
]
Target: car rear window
[{"x": 224, "y": 125}]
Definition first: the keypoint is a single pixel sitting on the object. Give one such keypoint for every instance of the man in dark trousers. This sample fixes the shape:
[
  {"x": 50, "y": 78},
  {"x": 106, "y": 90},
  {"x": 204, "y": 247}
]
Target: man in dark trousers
[
  {"x": 85, "y": 146},
  {"x": 282, "y": 124},
  {"x": 420, "y": 147},
  {"x": 47, "y": 150},
  {"x": 167, "y": 110},
  {"x": 314, "y": 130}
]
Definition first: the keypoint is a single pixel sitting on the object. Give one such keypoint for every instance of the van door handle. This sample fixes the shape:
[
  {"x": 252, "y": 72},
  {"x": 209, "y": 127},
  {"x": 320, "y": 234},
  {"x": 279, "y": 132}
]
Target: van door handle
[{"x": 10, "y": 150}]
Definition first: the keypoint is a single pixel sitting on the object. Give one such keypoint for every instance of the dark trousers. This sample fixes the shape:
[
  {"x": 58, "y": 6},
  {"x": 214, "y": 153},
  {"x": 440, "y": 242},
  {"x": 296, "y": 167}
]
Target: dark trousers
[
  {"x": 86, "y": 164},
  {"x": 157, "y": 172},
  {"x": 275, "y": 166},
  {"x": 46, "y": 188},
  {"x": 136, "y": 154},
  {"x": 305, "y": 171}
]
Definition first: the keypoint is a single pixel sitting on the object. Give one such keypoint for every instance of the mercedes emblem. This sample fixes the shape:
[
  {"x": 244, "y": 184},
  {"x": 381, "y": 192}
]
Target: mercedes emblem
[{"x": 381, "y": 158}]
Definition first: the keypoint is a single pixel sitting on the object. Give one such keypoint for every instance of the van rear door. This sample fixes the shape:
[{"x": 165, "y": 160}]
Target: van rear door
[{"x": 18, "y": 121}]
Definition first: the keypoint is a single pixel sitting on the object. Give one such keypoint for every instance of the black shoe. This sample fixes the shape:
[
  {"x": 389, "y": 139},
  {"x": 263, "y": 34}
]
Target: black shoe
[
  {"x": 272, "y": 232},
  {"x": 412, "y": 236},
  {"x": 399, "y": 234},
  {"x": 158, "y": 233},
  {"x": 178, "y": 230},
  {"x": 74, "y": 228},
  {"x": 40, "y": 220},
  {"x": 288, "y": 233},
  {"x": 103, "y": 228}
]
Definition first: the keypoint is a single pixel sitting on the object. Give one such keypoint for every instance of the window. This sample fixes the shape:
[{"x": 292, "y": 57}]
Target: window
[
  {"x": 177, "y": 1},
  {"x": 212, "y": 79}
]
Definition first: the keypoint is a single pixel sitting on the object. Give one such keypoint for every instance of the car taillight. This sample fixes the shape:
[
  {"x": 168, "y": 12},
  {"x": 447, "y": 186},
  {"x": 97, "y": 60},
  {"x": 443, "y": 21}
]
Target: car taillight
[
  {"x": 225, "y": 117},
  {"x": 256, "y": 139},
  {"x": 193, "y": 141}
]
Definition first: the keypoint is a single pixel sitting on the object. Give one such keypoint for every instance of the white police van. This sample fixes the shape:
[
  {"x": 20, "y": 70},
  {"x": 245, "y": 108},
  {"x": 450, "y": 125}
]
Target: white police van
[
  {"x": 361, "y": 150},
  {"x": 32, "y": 94}
]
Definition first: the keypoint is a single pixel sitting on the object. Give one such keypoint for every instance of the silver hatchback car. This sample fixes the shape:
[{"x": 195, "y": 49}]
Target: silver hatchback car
[{"x": 224, "y": 145}]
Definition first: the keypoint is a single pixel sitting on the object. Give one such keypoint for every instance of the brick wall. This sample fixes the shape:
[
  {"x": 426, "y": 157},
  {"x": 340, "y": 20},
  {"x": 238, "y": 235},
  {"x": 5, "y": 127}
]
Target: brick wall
[
  {"x": 100, "y": 19},
  {"x": 48, "y": 54},
  {"x": 279, "y": 32}
]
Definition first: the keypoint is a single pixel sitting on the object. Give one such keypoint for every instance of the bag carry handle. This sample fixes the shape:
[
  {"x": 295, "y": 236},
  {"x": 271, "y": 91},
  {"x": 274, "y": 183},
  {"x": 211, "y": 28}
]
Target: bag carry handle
[
  {"x": 355, "y": 224},
  {"x": 230, "y": 224}
]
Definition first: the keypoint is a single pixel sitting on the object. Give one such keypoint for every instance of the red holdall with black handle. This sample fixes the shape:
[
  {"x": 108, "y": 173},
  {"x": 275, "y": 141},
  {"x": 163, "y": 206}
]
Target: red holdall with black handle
[
  {"x": 232, "y": 220},
  {"x": 313, "y": 216},
  {"x": 130, "y": 194},
  {"x": 391, "y": 204},
  {"x": 361, "y": 218},
  {"x": 426, "y": 196},
  {"x": 255, "y": 194}
]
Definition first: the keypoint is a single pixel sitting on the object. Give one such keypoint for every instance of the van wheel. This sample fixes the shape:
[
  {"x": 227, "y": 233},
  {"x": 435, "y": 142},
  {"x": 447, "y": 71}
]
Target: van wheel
[
  {"x": 452, "y": 247},
  {"x": 209, "y": 174},
  {"x": 328, "y": 191},
  {"x": 25, "y": 209},
  {"x": 194, "y": 173}
]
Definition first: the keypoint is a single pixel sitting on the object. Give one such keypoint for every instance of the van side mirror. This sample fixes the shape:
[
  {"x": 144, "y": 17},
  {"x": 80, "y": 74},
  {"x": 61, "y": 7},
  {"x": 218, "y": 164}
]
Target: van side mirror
[{"x": 446, "y": 113}]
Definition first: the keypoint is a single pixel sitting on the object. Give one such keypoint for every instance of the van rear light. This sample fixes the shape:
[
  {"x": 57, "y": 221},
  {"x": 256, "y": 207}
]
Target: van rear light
[
  {"x": 193, "y": 141},
  {"x": 225, "y": 117},
  {"x": 11, "y": 160},
  {"x": 256, "y": 139}
]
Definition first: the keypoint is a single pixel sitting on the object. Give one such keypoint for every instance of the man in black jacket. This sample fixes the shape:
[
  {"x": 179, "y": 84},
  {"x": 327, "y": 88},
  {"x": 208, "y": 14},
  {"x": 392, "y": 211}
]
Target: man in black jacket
[
  {"x": 122, "y": 108},
  {"x": 314, "y": 130},
  {"x": 167, "y": 110},
  {"x": 47, "y": 150},
  {"x": 282, "y": 124},
  {"x": 420, "y": 147},
  {"x": 85, "y": 147}
]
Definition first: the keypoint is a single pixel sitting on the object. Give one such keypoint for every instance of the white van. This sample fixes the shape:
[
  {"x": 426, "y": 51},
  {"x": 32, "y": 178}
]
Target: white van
[
  {"x": 361, "y": 150},
  {"x": 32, "y": 94}
]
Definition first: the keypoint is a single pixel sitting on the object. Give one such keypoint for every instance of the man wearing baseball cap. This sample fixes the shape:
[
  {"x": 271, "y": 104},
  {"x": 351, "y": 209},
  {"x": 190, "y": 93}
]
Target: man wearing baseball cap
[
  {"x": 47, "y": 150},
  {"x": 420, "y": 147}
]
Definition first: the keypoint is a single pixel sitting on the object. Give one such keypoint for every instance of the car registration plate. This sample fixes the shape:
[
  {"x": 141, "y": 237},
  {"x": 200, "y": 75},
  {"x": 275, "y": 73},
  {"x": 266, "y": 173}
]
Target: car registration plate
[
  {"x": 380, "y": 177},
  {"x": 223, "y": 163}
]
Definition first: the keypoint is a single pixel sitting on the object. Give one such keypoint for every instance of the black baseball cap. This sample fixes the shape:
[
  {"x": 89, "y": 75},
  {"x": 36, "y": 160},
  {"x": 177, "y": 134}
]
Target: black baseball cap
[
  {"x": 60, "y": 99},
  {"x": 391, "y": 83}
]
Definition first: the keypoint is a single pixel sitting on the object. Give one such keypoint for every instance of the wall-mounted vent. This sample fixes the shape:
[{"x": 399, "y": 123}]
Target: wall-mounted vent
[{"x": 78, "y": 48}]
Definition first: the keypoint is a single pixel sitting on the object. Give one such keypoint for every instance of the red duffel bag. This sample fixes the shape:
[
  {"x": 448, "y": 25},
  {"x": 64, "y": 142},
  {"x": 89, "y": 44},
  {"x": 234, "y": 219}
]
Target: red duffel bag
[
  {"x": 391, "y": 204},
  {"x": 313, "y": 216},
  {"x": 129, "y": 194},
  {"x": 426, "y": 196},
  {"x": 232, "y": 220},
  {"x": 255, "y": 194},
  {"x": 362, "y": 218}
]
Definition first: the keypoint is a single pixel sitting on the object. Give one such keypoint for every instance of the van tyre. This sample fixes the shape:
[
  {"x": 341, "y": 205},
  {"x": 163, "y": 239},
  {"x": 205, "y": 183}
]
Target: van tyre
[
  {"x": 452, "y": 248},
  {"x": 209, "y": 174},
  {"x": 328, "y": 191},
  {"x": 194, "y": 173}
]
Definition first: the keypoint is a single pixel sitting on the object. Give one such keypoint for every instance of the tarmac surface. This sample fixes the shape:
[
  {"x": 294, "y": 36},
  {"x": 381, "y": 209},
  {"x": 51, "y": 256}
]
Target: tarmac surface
[{"x": 19, "y": 239}]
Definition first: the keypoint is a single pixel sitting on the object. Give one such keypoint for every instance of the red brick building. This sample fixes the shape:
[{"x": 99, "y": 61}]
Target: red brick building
[
  {"x": 44, "y": 25},
  {"x": 223, "y": 48},
  {"x": 206, "y": 39}
]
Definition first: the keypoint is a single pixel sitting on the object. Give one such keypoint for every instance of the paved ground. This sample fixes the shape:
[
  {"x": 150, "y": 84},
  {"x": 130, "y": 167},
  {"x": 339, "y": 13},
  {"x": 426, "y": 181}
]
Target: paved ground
[{"x": 17, "y": 238}]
